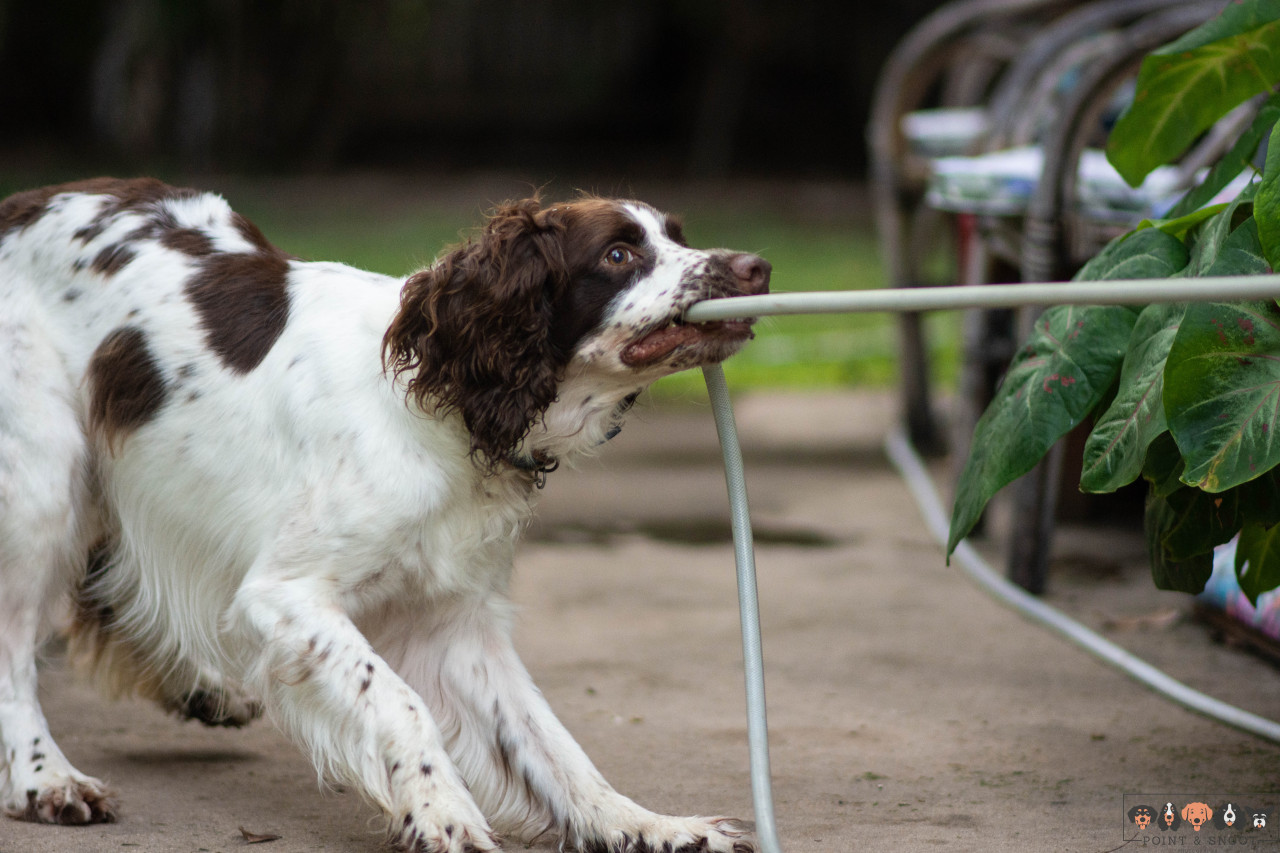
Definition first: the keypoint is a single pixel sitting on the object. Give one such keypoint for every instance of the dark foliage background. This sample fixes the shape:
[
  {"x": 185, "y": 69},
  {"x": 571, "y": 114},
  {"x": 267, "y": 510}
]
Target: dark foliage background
[{"x": 704, "y": 89}]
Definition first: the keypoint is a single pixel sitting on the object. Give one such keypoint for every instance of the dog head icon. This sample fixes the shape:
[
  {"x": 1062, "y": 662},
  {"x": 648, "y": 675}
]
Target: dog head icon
[
  {"x": 1259, "y": 819},
  {"x": 1197, "y": 814},
  {"x": 1141, "y": 816},
  {"x": 1169, "y": 819},
  {"x": 1227, "y": 815}
]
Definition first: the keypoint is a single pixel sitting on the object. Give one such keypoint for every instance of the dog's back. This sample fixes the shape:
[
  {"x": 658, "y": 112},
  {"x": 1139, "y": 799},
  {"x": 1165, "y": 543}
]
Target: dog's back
[
  {"x": 144, "y": 421},
  {"x": 175, "y": 387}
]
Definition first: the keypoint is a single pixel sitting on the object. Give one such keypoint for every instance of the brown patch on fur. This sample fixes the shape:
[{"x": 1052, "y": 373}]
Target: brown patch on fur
[
  {"x": 489, "y": 328},
  {"x": 474, "y": 329},
  {"x": 128, "y": 194},
  {"x": 126, "y": 388},
  {"x": 188, "y": 241},
  {"x": 593, "y": 227},
  {"x": 21, "y": 209},
  {"x": 674, "y": 228},
  {"x": 250, "y": 232},
  {"x": 112, "y": 259},
  {"x": 133, "y": 194},
  {"x": 243, "y": 302}
]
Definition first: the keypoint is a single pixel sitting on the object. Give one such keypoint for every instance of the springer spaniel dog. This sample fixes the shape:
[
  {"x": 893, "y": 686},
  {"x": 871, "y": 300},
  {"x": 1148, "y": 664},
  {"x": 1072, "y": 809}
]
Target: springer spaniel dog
[{"x": 265, "y": 484}]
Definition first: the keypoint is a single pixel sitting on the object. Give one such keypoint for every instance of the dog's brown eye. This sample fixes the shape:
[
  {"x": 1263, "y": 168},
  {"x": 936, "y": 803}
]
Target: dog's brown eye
[{"x": 619, "y": 256}]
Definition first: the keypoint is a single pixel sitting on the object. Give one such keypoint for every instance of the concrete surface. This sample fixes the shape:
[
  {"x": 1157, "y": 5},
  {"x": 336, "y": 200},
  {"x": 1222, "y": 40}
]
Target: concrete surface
[{"x": 906, "y": 710}]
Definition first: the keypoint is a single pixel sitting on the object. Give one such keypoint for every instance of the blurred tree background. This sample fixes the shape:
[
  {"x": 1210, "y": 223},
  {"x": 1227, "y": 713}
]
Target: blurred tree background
[{"x": 700, "y": 89}]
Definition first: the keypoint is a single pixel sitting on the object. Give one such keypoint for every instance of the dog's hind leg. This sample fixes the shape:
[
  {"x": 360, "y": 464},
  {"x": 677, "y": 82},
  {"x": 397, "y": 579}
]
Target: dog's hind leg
[
  {"x": 121, "y": 662},
  {"x": 43, "y": 542}
]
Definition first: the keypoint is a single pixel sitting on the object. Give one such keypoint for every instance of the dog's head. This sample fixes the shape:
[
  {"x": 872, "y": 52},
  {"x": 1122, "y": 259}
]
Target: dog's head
[
  {"x": 1169, "y": 819},
  {"x": 1140, "y": 816},
  {"x": 490, "y": 329},
  {"x": 1196, "y": 814},
  {"x": 1227, "y": 815}
]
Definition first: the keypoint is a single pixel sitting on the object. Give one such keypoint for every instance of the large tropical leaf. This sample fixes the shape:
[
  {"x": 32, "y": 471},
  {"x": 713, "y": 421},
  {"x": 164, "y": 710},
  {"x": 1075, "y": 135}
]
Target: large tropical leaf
[
  {"x": 1062, "y": 373},
  {"x": 1186, "y": 86},
  {"x": 1236, "y": 160},
  {"x": 1053, "y": 383},
  {"x": 1222, "y": 387},
  {"x": 1117, "y": 448},
  {"x": 1149, "y": 253}
]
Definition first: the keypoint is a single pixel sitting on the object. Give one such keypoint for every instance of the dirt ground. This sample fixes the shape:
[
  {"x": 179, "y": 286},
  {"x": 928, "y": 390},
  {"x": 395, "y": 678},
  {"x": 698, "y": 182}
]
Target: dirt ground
[{"x": 907, "y": 711}]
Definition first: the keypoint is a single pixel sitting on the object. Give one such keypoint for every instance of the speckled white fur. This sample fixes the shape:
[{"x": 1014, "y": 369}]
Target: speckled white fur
[{"x": 297, "y": 533}]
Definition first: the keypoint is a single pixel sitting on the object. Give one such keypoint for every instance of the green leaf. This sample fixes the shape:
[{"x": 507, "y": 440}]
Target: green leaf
[
  {"x": 1209, "y": 238},
  {"x": 1240, "y": 253},
  {"x": 1062, "y": 373},
  {"x": 1186, "y": 86},
  {"x": 1150, "y": 253},
  {"x": 1180, "y": 225},
  {"x": 1222, "y": 392},
  {"x": 1163, "y": 468},
  {"x": 1231, "y": 164},
  {"x": 1267, "y": 208},
  {"x": 1117, "y": 448},
  {"x": 1184, "y": 524},
  {"x": 1237, "y": 17},
  {"x": 1202, "y": 521},
  {"x": 1053, "y": 383},
  {"x": 1258, "y": 560},
  {"x": 1183, "y": 574}
]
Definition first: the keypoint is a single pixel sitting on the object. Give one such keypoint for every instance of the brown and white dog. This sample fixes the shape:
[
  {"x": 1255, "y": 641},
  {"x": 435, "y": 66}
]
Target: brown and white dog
[{"x": 272, "y": 484}]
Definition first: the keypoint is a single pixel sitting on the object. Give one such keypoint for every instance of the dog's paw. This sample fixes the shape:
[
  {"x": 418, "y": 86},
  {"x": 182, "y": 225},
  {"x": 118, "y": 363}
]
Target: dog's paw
[
  {"x": 69, "y": 802},
  {"x": 448, "y": 822},
  {"x": 217, "y": 707},
  {"x": 416, "y": 837},
  {"x": 662, "y": 834}
]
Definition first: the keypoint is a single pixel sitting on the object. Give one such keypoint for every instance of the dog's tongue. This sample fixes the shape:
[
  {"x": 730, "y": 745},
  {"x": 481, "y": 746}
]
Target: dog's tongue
[{"x": 657, "y": 344}]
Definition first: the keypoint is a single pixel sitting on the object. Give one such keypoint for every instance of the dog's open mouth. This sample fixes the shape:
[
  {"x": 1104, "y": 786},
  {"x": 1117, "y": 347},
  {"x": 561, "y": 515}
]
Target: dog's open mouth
[{"x": 659, "y": 343}]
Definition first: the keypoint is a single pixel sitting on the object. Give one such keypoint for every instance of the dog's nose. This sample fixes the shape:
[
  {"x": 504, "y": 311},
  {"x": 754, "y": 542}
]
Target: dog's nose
[{"x": 752, "y": 272}]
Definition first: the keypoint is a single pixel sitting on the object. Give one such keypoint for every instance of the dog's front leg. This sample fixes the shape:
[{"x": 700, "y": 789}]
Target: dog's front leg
[
  {"x": 524, "y": 768},
  {"x": 364, "y": 727}
]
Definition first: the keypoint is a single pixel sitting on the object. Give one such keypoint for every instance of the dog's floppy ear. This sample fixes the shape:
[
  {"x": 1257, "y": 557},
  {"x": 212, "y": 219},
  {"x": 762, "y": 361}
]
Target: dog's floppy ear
[{"x": 475, "y": 328}]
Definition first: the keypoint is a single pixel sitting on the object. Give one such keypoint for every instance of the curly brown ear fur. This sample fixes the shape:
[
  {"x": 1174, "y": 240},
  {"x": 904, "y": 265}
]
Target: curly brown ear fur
[{"x": 474, "y": 329}]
